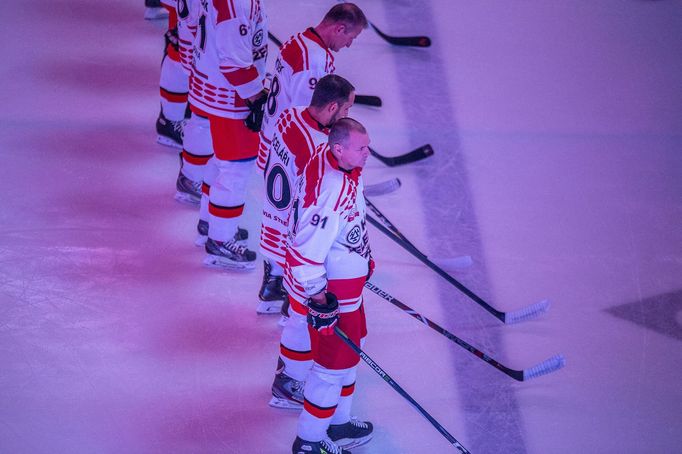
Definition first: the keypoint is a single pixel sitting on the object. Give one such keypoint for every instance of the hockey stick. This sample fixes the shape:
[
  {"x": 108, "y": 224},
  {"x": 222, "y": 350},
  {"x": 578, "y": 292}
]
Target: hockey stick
[
  {"x": 387, "y": 378},
  {"x": 520, "y": 315},
  {"x": 548, "y": 366},
  {"x": 385, "y": 187},
  {"x": 415, "y": 155},
  {"x": 411, "y": 41},
  {"x": 366, "y": 100}
]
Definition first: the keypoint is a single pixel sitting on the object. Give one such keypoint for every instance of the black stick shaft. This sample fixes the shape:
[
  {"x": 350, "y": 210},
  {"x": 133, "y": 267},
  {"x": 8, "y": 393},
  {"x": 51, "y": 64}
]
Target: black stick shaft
[
  {"x": 387, "y": 378},
  {"x": 515, "y": 374},
  {"x": 422, "y": 258}
]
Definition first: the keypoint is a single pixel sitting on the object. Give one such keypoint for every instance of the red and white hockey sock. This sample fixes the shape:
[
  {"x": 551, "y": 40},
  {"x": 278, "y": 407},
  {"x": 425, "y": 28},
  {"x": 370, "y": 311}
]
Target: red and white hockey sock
[
  {"x": 226, "y": 198},
  {"x": 197, "y": 147},
  {"x": 342, "y": 413},
  {"x": 173, "y": 87},
  {"x": 321, "y": 397},
  {"x": 294, "y": 347}
]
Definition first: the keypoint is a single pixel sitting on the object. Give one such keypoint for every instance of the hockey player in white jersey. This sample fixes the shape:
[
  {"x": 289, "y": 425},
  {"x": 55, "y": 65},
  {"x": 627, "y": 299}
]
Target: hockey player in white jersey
[
  {"x": 303, "y": 60},
  {"x": 297, "y": 134},
  {"x": 226, "y": 87},
  {"x": 173, "y": 84},
  {"x": 328, "y": 262}
]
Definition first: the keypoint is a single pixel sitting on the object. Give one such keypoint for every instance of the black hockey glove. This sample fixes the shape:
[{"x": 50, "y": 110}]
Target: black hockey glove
[
  {"x": 256, "y": 111},
  {"x": 323, "y": 317}
]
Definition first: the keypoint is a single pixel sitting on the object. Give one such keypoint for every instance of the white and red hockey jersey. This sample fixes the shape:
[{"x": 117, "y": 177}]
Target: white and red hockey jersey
[
  {"x": 302, "y": 61},
  {"x": 327, "y": 228},
  {"x": 188, "y": 20},
  {"x": 297, "y": 135},
  {"x": 229, "y": 53}
]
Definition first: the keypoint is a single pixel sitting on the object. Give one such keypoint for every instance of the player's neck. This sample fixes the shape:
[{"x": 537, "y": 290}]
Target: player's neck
[
  {"x": 324, "y": 32},
  {"x": 320, "y": 117}
]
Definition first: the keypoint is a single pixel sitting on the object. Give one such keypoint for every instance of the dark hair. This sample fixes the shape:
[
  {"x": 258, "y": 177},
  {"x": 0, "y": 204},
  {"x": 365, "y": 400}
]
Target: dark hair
[
  {"x": 331, "y": 88},
  {"x": 348, "y": 14},
  {"x": 340, "y": 131}
]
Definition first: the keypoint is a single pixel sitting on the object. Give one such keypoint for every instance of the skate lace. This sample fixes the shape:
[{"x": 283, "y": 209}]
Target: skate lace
[
  {"x": 179, "y": 127},
  {"x": 236, "y": 248},
  {"x": 360, "y": 424},
  {"x": 330, "y": 446}
]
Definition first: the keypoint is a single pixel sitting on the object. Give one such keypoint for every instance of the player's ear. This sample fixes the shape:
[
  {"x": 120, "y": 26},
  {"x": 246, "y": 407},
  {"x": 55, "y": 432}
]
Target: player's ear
[{"x": 333, "y": 107}]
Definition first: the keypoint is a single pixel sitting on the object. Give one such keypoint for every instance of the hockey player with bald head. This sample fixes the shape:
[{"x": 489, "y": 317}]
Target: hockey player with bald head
[
  {"x": 328, "y": 262},
  {"x": 303, "y": 60}
]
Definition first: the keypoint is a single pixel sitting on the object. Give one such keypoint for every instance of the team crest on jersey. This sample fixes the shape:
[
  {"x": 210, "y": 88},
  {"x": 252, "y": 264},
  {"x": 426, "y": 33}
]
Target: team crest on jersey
[
  {"x": 354, "y": 235},
  {"x": 257, "y": 38}
]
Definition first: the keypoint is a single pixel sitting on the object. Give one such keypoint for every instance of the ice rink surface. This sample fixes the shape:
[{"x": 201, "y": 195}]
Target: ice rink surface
[{"x": 557, "y": 128}]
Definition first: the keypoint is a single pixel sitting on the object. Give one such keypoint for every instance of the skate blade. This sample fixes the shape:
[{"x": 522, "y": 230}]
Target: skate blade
[
  {"x": 212, "y": 261},
  {"x": 168, "y": 142},
  {"x": 349, "y": 443},
  {"x": 201, "y": 240},
  {"x": 187, "y": 199},
  {"x": 285, "y": 404},
  {"x": 269, "y": 307}
]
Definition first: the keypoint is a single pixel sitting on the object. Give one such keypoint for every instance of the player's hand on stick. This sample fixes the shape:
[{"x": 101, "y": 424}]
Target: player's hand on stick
[
  {"x": 371, "y": 265},
  {"x": 323, "y": 316},
  {"x": 256, "y": 105}
]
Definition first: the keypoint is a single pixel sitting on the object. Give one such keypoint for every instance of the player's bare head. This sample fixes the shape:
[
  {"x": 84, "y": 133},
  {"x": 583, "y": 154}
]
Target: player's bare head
[
  {"x": 332, "y": 98},
  {"x": 349, "y": 142},
  {"x": 341, "y": 25}
]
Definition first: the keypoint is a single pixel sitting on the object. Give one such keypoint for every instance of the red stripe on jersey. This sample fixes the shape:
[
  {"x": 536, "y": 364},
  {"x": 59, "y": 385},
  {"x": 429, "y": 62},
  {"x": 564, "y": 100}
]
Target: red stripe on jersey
[
  {"x": 172, "y": 96},
  {"x": 346, "y": 289},
  {"x": 348, "y": 390},
  {"x": 301, "y": 259},
  {"x": 295, "y": 355},
  {"x": 195, "y": 159},
  {"x": 313, "y": 178},
  {"x": 205, "y": 188},
  {"x": 341, "y": 194},
  {"x": 306, "y": 55},
  {"x": 318, "y": 412},
  {"x": 225, "y": 212},
  {"x": 241, "y": 76},
  {"x": 293, "y": 55},
  {"x": 225, "y": 9}
]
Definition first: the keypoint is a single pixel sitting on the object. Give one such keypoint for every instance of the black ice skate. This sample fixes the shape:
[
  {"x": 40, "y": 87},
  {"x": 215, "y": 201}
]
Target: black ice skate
[
  {"x": 153, "y": 10},
  {"x": 272, "y": 293},
  {"x": 286, "y": 392},
  {"x": 169, "y": 132},
  {"x": 188, "y": 191},
  {"x": 229, "y": 254},
  {"x": 352, "y": 434},
  {"x": 202, "y": 229},
  {"x": 316, "y": 447}
]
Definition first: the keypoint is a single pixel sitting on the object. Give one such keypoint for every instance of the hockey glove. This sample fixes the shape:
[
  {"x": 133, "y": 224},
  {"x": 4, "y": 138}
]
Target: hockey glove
[
  {"x": 256, "y": 111},
  {"x": 323, "y": 317}
]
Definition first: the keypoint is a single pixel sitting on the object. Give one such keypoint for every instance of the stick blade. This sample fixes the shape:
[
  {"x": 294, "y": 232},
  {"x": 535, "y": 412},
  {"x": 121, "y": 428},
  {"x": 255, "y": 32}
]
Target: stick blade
[
  {"x": 385, "y": 187},
  {"x": 527, "y": 313},
  {"x": 548, "y": 366},
  {"x": 368, "y": 100}
]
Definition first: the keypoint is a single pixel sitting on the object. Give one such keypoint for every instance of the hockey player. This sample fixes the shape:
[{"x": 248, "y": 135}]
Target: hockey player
[
  {"x": 173, "y": 85},
  {"x": 226, "y": 87},
  {"x": 298, "y": 132},
  {"x": 328, "y": 262},
  {"x": 301, "y": 63}
]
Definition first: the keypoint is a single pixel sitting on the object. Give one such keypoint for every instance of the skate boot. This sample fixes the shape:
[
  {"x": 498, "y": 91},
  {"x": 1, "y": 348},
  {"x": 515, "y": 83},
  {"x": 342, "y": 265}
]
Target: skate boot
[
  {"x": 352, "y": 434},
  {"x": 316, "y": 447},
  {"x": 202, "y": 229},
  {"x": 286, "y": 392},
  {"x": 271, "y": 293},
  {"x": 229, "y": 254},
  {"x": 188, "y": 191},
  {"x": 169, "y": 132},
  {"x": 153, "y": 10}
]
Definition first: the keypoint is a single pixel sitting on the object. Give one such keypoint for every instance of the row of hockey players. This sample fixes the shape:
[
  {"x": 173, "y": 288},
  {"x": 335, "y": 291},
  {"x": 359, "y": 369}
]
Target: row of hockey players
[{"x": 313, "y": 232}]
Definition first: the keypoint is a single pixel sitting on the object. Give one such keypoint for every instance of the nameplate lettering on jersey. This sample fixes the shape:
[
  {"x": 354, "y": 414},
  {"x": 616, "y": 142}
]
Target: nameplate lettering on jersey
[{"x": 280, "y": 150}]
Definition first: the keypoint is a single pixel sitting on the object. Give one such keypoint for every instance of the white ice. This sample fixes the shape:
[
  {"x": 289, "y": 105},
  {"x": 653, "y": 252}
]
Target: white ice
[{"x": 558, "y": 168}]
